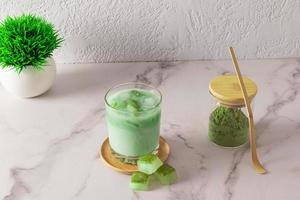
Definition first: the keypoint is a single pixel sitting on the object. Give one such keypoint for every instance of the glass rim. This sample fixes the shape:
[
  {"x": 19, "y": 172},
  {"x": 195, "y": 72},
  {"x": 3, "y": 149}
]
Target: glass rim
[{"x": 133, "y": 83}]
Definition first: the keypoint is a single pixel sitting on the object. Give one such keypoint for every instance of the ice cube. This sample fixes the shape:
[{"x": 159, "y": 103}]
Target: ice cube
[
  {"x": 139, "y": 181},
  {"x": 149, "y": 102},
  {"x": 132, "y": 105},
  {"x": 166, "y": 174},
  {"x": 124, "y": 96},
  {"x": 149, "y": 163},
  {"x": 117, "y": 104},
  {"x": 136, "y": 93}
]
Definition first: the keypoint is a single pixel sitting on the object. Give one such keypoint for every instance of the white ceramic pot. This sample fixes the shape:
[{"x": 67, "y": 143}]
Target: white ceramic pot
[{"x": 30, "y": 82}]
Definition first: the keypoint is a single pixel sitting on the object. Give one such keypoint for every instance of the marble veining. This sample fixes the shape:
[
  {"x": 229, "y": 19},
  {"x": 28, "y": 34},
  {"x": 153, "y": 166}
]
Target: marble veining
[
  {"x": 49, "y": 145},
  {"x": 155, "y": 75},
  {"x": 233, "y": 174}
]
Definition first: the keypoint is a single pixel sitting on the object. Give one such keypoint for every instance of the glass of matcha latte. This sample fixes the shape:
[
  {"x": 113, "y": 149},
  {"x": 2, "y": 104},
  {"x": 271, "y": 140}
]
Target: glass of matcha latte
[{"x": 133, "y": 120}]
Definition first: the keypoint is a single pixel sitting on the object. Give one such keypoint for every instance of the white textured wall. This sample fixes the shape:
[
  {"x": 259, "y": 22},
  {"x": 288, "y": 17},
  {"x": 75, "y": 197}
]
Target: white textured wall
[{"x": 136, "y": 30}]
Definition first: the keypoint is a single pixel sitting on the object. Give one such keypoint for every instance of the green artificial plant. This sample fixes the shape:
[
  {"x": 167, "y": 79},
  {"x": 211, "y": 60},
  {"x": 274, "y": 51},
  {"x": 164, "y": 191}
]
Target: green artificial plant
[{"x": 27, "y": 40}]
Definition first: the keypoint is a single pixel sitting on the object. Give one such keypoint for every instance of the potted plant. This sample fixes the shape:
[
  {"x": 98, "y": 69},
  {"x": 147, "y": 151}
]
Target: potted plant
[{"x": 26, "y": 46}]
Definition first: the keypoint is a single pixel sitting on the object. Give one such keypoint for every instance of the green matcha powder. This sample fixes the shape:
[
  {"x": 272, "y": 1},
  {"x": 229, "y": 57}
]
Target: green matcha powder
[{"x": 228, "y": 127}]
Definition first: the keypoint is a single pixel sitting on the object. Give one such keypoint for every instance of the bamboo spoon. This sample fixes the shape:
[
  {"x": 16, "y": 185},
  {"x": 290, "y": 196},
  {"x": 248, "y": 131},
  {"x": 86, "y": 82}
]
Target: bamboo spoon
[{"x": 257, "y": 165}]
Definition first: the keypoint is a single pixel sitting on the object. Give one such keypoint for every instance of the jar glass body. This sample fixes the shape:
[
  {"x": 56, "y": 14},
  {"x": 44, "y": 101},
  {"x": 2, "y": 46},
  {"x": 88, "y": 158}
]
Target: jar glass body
[{"x": 228, "y": 125}]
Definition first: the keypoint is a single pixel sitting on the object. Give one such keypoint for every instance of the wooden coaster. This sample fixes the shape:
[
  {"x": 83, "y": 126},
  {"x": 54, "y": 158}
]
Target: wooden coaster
[{"x": 112, "y": 162}]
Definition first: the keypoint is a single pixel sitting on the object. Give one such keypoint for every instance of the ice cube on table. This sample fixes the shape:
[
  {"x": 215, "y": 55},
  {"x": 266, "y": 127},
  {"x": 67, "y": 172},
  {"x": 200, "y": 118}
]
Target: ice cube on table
[
  {"x": 149, "y": 163},
  {"x": 166, "y": 175},
  {"x": 139, "y": 181}
]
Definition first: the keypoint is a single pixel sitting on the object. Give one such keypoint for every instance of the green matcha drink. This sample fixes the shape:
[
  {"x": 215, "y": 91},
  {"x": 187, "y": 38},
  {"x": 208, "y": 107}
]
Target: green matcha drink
[{"x": 133, "y": 119}]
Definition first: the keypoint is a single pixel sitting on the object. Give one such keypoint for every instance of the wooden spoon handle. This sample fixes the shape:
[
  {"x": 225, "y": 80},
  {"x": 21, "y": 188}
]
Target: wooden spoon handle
[{"x": 257, "y": 165}]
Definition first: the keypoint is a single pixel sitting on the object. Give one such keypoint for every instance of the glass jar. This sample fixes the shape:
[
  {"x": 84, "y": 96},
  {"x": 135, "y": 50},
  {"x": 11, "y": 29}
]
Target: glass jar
[
  {"x": 133, "y": 120},
  {"x": 228, "y": 122}
]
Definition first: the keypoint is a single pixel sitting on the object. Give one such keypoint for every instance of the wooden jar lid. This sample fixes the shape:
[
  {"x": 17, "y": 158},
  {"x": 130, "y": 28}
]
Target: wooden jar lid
[{"x": 227, "y": 91}]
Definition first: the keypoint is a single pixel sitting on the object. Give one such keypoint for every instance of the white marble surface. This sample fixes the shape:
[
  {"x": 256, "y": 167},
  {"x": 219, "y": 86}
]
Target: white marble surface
[{"x": 49, "y": 145}]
